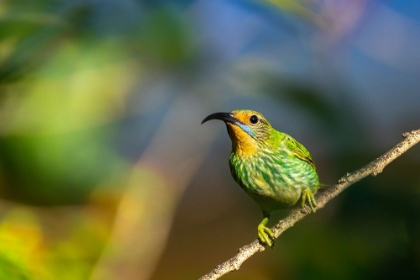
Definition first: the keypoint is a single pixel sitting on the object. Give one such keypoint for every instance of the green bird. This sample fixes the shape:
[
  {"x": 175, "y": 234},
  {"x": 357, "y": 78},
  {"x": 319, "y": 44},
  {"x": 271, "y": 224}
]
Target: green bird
[{"x": 274, "y": 169}]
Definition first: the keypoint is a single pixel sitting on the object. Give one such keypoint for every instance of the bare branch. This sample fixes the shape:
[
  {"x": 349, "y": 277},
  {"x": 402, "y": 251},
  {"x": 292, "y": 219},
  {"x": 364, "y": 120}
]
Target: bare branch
[{"x": 375, "y": 167}]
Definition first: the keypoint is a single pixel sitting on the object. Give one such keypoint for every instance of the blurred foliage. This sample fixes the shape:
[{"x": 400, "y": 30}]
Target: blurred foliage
[
  {"x": 22, "y": 249},
  {"x": 68, "y": 73},
  {"x": 60, "y": 124},
  {"x": 36, "y": 245}
]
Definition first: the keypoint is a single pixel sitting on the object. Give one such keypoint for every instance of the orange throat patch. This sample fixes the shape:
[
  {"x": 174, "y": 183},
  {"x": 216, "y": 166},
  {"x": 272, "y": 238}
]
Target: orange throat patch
[{"x": 243, "y": 144}]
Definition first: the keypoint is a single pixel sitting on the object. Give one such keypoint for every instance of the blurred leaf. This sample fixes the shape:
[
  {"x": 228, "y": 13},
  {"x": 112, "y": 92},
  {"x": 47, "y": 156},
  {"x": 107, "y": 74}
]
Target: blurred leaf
[
  {"x": 55, "y": 169},
  {"x": 57, "y": 141},
  {"x": 27, "y": 37},
  {"x": 21, "y": 246},
  {"x": 300, "y": 8},
  {"x": 164, "y": 38}
]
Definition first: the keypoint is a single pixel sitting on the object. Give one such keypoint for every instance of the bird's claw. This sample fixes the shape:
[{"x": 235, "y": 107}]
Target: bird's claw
[
  {"x": 265, "y": 235},
  {"x": 308, "y": 196}
]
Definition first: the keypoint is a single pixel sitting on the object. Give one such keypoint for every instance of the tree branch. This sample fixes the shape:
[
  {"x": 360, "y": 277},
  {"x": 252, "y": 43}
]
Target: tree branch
[{"x": 375, "y": 167}]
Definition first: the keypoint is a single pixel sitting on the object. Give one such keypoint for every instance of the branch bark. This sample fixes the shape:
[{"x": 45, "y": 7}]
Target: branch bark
[{"x": 373, "y": 168}]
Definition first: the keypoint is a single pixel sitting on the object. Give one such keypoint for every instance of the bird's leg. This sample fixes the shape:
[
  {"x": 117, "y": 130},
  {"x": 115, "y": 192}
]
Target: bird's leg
[
  {"x": 309, "y": 196},
  {"x": 265, "y": 235}
]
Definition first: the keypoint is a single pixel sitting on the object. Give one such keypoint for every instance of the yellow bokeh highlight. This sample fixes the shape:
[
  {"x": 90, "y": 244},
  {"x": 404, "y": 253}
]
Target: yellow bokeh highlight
[
  {"x": 80, "y": 86},
  {"x": 22, "y": 245}
]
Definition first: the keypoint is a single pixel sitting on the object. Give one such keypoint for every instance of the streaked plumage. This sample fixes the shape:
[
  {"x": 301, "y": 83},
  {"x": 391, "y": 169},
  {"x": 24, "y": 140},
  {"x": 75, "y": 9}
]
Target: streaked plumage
[{"x": 271, "y": 167}]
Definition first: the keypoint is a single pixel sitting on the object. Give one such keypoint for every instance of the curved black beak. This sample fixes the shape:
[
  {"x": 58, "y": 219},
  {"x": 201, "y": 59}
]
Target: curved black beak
[{"x": 226, "y": 117}]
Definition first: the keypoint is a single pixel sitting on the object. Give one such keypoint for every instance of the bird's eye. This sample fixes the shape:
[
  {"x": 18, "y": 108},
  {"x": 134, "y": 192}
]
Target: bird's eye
[{"x": 253, "y": 119}]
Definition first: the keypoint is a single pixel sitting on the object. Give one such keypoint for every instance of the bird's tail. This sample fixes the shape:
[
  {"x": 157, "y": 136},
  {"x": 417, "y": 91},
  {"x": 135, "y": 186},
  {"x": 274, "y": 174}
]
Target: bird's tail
[{"x": 323, "y": 187}]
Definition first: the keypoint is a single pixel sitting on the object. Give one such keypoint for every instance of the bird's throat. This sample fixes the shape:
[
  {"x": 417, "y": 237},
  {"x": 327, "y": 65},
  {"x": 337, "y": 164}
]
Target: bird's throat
[{"x": 242, "y": 143}]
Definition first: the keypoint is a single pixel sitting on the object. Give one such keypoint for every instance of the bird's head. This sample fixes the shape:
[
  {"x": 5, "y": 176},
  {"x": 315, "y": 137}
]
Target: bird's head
[{"x": 247, "y": 129}]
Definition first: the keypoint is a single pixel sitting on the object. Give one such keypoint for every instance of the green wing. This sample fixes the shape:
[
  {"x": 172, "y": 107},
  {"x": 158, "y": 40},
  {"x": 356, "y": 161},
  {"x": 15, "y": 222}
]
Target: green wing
[{"x": 299, "y": 151}]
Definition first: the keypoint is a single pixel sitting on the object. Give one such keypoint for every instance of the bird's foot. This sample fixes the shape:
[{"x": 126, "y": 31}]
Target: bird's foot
[
  {"x": 265, "y": 235},
  {"x": 308, "y": 196}
]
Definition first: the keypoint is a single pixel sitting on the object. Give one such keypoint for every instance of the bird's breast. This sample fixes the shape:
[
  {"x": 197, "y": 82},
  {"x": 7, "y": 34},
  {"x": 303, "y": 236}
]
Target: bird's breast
[
  {"x": 242, "y": 143},
  {"x": 273, "y": 181}
]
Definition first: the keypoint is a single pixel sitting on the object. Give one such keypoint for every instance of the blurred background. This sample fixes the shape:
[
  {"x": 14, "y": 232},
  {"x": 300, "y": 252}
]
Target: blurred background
[{"x": 106, "y": 172}]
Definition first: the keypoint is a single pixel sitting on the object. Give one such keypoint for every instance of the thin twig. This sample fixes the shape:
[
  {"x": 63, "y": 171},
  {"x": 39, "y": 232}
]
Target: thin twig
[{"x": 375, "y": 167}]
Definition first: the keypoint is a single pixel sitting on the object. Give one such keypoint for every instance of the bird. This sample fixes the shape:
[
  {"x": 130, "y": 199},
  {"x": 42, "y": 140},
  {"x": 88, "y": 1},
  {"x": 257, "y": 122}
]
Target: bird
[{"x": 274, "y": 169}]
